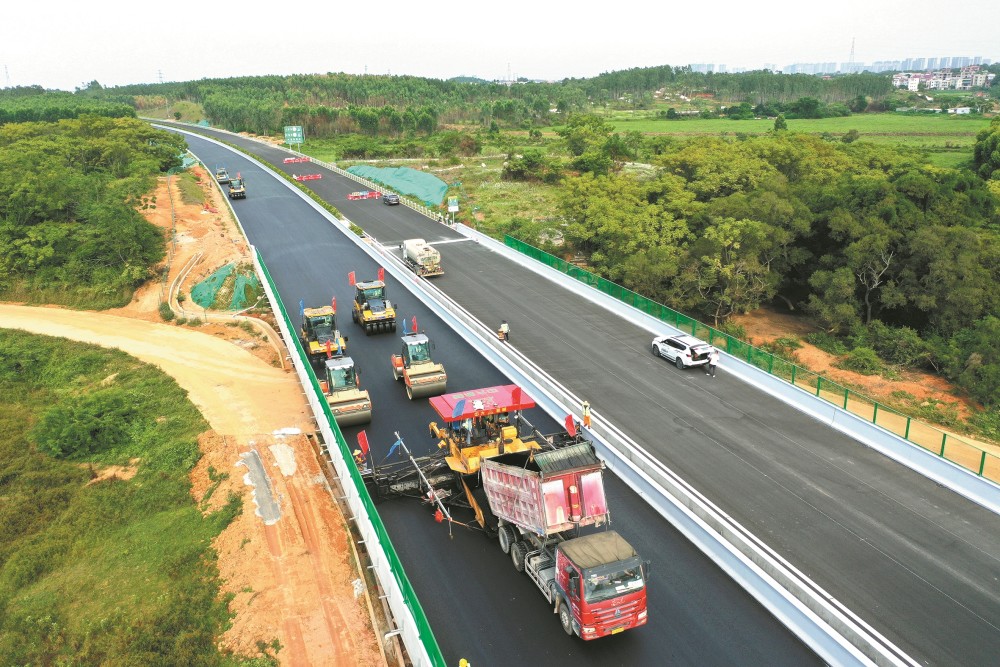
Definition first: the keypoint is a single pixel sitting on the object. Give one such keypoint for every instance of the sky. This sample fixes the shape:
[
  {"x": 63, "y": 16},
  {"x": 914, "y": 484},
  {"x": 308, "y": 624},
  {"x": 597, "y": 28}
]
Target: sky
[{"x": 65, "y": 45}]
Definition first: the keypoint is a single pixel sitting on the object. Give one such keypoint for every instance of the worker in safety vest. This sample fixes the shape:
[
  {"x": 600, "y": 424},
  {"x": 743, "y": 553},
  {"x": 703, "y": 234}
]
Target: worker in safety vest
[
  {"x": 504, "y": 330},
  {"x": 586, "y": 414},
  {"x": 359, "y": 458}
]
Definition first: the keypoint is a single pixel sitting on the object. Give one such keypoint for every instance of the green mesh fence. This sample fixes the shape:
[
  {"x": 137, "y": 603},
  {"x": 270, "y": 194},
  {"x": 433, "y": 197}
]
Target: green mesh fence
[
  {"x": 947, "y": 445},
  {"x": 204, "y": 293},
  {"x": 428, "y": 188},
  {"x": 243, "y": 284}
]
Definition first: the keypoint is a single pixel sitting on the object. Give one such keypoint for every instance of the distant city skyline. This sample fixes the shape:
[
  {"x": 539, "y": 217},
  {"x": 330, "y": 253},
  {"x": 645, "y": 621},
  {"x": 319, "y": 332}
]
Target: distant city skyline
[{"x": 905, "y": 64}]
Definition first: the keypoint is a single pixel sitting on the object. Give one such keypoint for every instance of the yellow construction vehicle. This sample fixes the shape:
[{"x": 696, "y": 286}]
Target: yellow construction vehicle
[
  {"x": 372, "y": 309},
  {"x": 349, "y": 403},
  {"x": 478, "y": 425},
  {"x": 414, "y": 366},
  {"x": 320, "y": 336}
]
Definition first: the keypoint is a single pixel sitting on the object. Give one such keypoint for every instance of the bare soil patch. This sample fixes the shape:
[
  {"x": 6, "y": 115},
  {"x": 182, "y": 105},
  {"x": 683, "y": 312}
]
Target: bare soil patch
[{"x": 910, "y": 390}]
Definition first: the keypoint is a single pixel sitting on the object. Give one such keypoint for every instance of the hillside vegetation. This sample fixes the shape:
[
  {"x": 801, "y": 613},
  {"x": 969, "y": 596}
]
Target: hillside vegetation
[
  {"x": 102, "y": 565},
  {"x": 70, "y": 192}
]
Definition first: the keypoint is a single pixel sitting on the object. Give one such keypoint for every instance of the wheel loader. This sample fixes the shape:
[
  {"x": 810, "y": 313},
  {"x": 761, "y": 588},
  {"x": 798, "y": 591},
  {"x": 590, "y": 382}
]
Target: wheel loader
[{"x": 414, "y": 366}]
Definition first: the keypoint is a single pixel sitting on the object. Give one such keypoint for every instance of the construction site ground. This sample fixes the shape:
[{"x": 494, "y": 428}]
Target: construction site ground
[{"x": 295, "y": 579}]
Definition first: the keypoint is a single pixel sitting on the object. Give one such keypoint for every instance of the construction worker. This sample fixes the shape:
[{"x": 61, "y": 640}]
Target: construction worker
[
  {"x": 359, "y": 458},
  {"x": 504, "y": 330},
  {"x": 586, "y": 414}
]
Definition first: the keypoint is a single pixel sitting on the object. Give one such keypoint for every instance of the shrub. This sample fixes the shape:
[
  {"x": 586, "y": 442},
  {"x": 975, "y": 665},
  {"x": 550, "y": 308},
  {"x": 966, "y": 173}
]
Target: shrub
[
  {"x": 827, "y": 342},
  {"x": 84, "y": 424},
  {"x": 783, "y": 347},
  {"x": 898, "y": 345},
  {"x": 862, "y": 360},
  {"x": 166, "y": 312}
]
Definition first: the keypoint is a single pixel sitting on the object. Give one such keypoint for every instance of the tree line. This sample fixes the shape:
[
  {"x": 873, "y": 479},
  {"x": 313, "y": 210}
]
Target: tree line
[{"x": 337, "y": 103}]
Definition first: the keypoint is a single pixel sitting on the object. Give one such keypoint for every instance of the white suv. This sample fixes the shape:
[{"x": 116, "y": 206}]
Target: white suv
[{"x": 683, "y": 350}]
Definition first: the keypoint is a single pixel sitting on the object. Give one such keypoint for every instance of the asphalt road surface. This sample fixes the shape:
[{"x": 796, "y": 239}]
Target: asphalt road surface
[
  {"x": 479, "y": 607},
  {"x": 913, "y": 559}
]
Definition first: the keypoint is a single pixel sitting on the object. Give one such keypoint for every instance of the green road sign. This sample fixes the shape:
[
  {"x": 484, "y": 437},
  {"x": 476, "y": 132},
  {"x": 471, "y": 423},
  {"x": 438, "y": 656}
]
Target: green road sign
[{"x": 293, "y": 134}]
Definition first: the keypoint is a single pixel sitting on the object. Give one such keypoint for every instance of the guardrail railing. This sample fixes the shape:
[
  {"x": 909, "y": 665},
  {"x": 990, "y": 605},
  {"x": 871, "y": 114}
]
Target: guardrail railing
[{"x": 946, "y": 445}]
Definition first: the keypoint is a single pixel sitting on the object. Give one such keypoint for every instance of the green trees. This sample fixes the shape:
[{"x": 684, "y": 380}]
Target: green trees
[
  {"x": 986, "y": 155},
  {"x": 68, "y": 198},
  {"x": 863, "y": 237}
]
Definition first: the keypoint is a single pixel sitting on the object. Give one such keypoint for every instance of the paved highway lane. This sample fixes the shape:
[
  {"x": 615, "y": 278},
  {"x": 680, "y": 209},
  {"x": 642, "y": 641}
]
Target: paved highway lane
[
  {"x": 479, "y": 606},
  {"x": 914, "y": 560}
]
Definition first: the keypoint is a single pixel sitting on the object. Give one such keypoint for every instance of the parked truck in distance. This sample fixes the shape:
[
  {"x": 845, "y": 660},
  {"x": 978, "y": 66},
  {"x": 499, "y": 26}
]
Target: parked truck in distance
[
  {"x": 539, "y": 501},
  {"x": 421, "y": 258}
]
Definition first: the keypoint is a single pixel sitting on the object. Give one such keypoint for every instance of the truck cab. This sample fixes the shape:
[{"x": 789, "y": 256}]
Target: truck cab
[{"x": 602, "y": 584}]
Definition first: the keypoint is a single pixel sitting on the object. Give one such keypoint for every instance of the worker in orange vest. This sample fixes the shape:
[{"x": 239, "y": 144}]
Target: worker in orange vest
[{"x": 586, "y": 414}]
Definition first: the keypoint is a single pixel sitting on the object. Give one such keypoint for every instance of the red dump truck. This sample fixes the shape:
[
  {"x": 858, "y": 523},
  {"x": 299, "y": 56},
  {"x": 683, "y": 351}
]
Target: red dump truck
[{"x": 539, "y": 502}]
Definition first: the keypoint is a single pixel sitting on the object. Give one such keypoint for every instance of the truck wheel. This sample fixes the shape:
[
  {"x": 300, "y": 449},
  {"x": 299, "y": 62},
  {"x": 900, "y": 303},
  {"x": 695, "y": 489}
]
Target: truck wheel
[
  {"x": 354, "y": 316},
  {"x": 506, "y": 537},
  {"x": 518, "y": 551},
  {"x": 392, "y": 326},
  {"x": 566, "y": 618}
]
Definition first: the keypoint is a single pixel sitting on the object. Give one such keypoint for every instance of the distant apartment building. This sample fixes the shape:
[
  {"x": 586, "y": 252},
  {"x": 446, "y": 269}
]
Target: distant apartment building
[{"x": 967, "y": 78}]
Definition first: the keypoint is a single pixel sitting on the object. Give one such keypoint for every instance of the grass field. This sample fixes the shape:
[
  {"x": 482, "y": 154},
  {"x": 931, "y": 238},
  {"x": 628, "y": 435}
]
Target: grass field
[
  {"x": 924, "y": 130},
  {"x": 114, "y": 571}
]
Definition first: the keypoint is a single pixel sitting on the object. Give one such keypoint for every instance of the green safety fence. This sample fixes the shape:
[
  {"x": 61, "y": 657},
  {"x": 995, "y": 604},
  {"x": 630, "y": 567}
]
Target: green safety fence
[
  {"x": 411, "y": 601},
  {"x": 954, "y": 448}
]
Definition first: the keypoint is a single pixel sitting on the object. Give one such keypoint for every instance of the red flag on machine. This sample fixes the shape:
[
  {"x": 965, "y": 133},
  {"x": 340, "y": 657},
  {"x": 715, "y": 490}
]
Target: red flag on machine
[
  {"x": 350, "y": 278},
  {"x": 570, "y": 425},
  {"x": 414, "y": 324},
  {"x": 333, "y": 303},
  {"x": 381, "y": 273},
  {"x": 363, "y": 442}
]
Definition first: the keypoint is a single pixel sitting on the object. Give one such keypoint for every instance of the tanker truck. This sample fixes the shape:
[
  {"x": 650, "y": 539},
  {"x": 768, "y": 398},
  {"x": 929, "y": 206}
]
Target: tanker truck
[
  {"x": 540, "y": 501},
  {"x": 421, "y": 258}
]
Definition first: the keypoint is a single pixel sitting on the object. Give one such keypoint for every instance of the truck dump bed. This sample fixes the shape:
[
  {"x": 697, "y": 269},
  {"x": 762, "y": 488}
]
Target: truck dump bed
[{"x": 547, "y": 492}]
